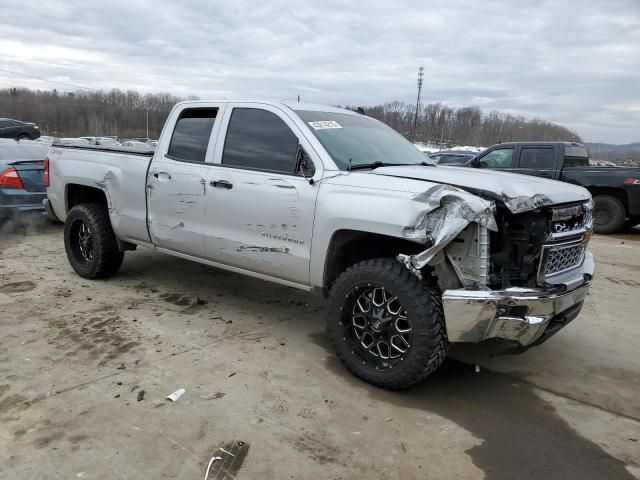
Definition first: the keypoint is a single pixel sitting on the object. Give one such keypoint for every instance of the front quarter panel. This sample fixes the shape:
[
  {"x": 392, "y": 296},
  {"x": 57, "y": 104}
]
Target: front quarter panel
[{"x": 362, "y": 202}]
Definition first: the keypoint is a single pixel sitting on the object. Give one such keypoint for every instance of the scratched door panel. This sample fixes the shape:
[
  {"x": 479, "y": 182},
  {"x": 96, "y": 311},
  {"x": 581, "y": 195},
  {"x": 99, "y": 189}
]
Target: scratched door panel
[
  {"x": 263, "y": 223},
  {"x": 177, "y": 205}
]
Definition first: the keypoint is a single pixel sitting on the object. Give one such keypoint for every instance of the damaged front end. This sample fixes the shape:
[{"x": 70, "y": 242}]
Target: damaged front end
[
  {"x": 516, "y": 269},
  {"x": 448, "y": 212}
]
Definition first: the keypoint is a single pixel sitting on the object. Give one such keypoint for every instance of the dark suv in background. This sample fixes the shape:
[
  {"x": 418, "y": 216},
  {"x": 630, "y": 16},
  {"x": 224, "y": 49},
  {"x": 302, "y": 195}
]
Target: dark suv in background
[
  {"x": 18, "y": 130},
  {"x": 615, "y": 190}
]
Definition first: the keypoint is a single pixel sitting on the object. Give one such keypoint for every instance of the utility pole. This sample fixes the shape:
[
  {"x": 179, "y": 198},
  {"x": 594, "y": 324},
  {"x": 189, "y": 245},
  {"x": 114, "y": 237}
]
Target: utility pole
[
  {"x": 147, "y": 123},
  {"x": 415, "y": 115}
]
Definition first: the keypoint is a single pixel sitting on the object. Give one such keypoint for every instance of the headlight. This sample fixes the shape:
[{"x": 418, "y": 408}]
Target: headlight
[{"x": 587, "y": 220}]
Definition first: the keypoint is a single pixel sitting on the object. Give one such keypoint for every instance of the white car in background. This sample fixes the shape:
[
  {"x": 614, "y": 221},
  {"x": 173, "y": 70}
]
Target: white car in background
[{"x": 134, "y": 143}]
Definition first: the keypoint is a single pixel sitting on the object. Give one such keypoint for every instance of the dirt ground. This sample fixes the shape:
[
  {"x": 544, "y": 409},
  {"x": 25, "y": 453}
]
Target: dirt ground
[{"x": 77, "y": 355}]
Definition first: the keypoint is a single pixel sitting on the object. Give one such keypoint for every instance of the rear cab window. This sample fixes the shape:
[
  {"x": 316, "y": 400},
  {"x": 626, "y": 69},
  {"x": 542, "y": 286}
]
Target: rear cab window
[
  {"x": 191, "y": 135},
  {"x": 259, "y": 140},
  {"x": 575, "y": 156}
]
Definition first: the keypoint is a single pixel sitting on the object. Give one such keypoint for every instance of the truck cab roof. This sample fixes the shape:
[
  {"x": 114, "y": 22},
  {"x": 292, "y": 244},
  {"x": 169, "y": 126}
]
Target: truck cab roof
[{"x": 292, "y": 104}]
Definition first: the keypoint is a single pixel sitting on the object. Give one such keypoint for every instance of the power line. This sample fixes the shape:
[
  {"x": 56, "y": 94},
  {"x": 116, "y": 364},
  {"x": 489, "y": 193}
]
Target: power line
[{"x": 46, "y": 80}]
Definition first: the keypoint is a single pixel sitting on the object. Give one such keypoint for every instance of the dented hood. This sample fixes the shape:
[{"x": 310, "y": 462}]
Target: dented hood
[{"x": 519, "y": 193}]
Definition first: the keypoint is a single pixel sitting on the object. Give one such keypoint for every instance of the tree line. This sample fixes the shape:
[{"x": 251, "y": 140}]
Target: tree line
[
  {"x": 131, "y": 114},
  {"x": 442, "y": 125},
  {"x": 89, "y": 113}
]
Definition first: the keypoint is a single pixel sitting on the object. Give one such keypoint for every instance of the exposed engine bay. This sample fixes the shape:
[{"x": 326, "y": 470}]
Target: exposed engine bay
[{"x": 515, "y": 248}]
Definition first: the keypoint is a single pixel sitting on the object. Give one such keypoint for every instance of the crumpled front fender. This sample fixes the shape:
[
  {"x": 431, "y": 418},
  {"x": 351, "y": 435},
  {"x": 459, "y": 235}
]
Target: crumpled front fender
[{"x": 448, "y": 211}]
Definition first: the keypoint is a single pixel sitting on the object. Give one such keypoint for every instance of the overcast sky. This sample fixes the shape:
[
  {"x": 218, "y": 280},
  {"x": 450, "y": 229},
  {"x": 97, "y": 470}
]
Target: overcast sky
[{"x": 572, "y": 62}]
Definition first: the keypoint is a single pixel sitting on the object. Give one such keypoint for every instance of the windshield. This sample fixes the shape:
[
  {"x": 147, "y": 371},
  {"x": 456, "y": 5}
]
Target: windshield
[{"x": 354, "y": 140}]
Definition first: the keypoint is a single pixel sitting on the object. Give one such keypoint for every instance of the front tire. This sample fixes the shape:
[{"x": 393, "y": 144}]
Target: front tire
[
  {"x": 608, "y": 214},
  {"x": 386, "y": 325},
  {"x": 91, "y": 245}
]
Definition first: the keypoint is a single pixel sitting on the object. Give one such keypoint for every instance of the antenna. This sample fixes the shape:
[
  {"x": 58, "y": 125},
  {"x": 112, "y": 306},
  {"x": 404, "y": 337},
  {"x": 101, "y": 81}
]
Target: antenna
[{"x": 415, "y": 115}]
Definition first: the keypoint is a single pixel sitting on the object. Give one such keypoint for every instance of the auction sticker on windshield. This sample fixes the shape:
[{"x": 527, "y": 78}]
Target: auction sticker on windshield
[{"x": 325, "y": 124}]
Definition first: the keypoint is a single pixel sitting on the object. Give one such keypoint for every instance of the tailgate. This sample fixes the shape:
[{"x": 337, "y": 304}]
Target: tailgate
[{"x": 31, "y": 173}]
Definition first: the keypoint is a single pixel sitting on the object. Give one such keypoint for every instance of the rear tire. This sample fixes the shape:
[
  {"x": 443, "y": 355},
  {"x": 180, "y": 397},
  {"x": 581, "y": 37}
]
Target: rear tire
[
  {"x": 396, "y": 363},
  {"x": 91, "y": 245},
  {"x": 24, "y": 136},
  {"x": 608, "y": 214}
]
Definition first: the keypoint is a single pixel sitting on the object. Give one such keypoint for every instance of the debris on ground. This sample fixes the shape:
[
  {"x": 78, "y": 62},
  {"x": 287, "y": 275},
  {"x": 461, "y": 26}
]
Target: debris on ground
[
  {"x": 140, "y": 395},
  {"x": 176, "y": 395},
  {"x": 213, "y": 396},
  {"x": 213, "y": 459},
  {"x": 226, "y": 461}
]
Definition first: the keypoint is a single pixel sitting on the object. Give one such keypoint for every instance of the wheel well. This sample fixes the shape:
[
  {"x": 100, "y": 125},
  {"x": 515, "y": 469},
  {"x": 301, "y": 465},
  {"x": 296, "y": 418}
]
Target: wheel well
[
  {"x": 612, "y": 192},
  {"x": 77, "y": 194},
  {"x": 349, "y": 247}
]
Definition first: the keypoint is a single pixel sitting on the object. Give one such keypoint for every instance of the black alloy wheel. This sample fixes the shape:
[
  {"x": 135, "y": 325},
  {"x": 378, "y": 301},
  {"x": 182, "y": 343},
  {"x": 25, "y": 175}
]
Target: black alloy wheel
[
  {"x": 83, "y": 244},
  {"x": 376, "y": 326}
]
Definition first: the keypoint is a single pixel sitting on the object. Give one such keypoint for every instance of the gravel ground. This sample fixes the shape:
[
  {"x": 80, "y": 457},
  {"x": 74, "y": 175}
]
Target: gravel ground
[{"x": 85, "y": 367}]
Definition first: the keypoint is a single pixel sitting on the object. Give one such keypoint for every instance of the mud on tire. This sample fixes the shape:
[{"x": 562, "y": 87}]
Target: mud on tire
[
  {"x": 377, "y": 296},
  {"x": 90, "y": 243}
]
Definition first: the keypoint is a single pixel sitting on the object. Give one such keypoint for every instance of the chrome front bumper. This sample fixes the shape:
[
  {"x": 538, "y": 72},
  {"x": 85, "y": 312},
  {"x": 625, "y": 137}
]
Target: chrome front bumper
[{"x": 524, "y": 315}]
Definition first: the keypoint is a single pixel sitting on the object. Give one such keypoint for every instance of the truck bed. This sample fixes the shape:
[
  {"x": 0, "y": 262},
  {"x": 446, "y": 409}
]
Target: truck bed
[{"x": 120, "y": 172}]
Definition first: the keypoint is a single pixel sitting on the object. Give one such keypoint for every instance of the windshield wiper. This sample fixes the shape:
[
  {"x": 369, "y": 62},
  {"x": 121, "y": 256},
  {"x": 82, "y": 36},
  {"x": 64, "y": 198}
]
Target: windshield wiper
[
  {"x": 374, "y": 165},
  {"x": 363, "y": 166}
]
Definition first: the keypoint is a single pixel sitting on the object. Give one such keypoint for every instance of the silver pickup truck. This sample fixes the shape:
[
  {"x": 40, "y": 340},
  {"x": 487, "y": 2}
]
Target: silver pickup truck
[{"x": 410, "y": 256}]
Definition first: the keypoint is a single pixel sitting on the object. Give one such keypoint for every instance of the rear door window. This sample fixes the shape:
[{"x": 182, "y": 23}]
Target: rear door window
[
  {"x": 537, "y": 158},
  {"x": 498, "y": 158},
  {"x": 259, "y": 140},
  {"x": 191, "y": 134},
  {"x": 575, "y": 156}
]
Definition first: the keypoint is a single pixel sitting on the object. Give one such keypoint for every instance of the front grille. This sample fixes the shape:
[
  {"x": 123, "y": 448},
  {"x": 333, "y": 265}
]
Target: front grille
[
  {"x": 563, "y": 257},
  {"x": 565, "y": 246}
]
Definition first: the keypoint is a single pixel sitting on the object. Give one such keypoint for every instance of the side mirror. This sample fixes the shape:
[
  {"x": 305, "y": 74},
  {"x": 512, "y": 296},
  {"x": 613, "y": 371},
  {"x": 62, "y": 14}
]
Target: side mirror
[{"x": 304, "y": 165}]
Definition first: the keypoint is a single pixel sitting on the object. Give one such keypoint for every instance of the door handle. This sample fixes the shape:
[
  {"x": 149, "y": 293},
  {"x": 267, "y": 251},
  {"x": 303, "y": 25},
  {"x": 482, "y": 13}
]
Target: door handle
[
  {"x": 221, "y": 184},
  {"x": 162, "y": 175}
]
